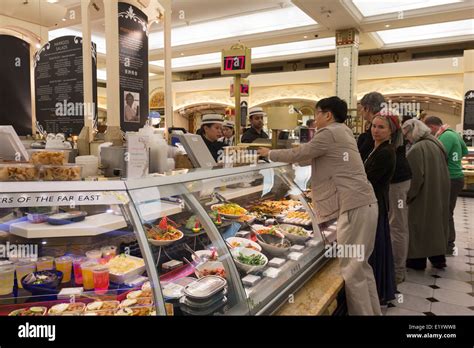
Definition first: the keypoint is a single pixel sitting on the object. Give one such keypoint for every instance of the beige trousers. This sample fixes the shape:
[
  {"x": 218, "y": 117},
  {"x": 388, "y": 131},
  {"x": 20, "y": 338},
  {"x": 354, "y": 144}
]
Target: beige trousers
[
  {"x": 398, "y": 217},
  {"x": 358, "y": 227}
]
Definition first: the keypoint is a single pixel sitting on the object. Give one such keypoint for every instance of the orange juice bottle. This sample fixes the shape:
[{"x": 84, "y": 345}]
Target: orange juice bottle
[{"x": 87, "y": 274}]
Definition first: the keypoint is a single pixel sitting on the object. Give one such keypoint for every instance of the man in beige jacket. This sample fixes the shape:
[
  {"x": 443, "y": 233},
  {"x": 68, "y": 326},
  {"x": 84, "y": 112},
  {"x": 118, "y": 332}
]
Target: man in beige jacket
[{"x": 341, "y": 190}]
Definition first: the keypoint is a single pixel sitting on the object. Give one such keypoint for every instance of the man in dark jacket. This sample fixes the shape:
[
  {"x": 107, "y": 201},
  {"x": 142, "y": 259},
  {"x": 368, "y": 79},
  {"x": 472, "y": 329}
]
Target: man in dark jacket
[{"x": 256, "y": 131}]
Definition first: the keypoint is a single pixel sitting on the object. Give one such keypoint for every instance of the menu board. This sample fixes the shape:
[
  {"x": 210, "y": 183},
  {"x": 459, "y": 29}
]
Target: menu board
[
  {"x": 133, "y": 53},
  {"x": 15, "y": 86},
  {"x": 469, "y": 110},
  {"x": 59, "y": 86}
]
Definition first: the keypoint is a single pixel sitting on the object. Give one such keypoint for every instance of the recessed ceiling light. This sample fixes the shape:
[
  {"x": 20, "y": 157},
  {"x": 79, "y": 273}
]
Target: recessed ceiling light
[
  {"x": 373, "y": 8},
  {"x": 305, "y": 37},
  {"x": 427, "y": 32},
  {"x": 64, "y": 19},
  {"x": 182, "y": 54},
  {"x": 387, "y": 25},
  {"x": 52, "y": 1}
]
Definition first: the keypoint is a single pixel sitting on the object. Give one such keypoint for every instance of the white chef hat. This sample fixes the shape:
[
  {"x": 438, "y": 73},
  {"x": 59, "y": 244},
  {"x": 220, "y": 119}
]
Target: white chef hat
[{"x": 212, "y": 118}]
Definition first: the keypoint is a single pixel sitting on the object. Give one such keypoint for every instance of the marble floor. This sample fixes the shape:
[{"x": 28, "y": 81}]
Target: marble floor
[{"x": 443, "y": 292}]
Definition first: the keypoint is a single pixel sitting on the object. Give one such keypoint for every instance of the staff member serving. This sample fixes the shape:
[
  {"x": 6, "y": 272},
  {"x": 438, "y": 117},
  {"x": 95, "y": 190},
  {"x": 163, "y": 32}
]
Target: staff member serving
[
  {"x": 255, "y": 131},
  {"x": 341, "y": 190},
  {"x": 211, "y": 131}
]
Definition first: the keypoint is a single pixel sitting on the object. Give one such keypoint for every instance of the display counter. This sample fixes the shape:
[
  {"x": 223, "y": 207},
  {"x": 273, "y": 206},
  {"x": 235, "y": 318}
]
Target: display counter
[
  {"x": 468, "y": 170},
  {"x": 232, "y": 241}
]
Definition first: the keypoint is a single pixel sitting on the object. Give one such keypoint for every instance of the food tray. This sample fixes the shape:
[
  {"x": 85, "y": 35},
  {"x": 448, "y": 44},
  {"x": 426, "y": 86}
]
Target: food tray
[
  {"x": 18, "y": 312},
  {"x": 205, "y": 287},
  {"x": 18, "y": 172},
  {"x": 201, "y": 305},
  {"x": 81, "y": 306},
  {"x": 66, "y": 172},
  {"x": 207, "y": 311},
  {"x": 123, "y": 277}
]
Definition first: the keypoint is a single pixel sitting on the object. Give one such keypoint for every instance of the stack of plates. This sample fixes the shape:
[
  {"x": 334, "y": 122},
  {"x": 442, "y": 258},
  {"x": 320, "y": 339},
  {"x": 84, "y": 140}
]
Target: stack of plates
[{"x": 204, "y": 296}]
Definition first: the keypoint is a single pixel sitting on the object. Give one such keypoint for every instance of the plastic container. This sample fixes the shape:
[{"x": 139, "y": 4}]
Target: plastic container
[
  {"x": 90, "y": 165},
  {"x": 88, "y": 275},
  {"x": 45, "y": 263},
  {"x": 67, "y": 172},
  {"x": 49, "y": 157},
  {"x": 205, "y": 287},
  {"x": 64, "y": 264},
  {"x": 7, "y": 275},
  {"x": 18, "y": 172},
  {"x": 23, "y": 268}
]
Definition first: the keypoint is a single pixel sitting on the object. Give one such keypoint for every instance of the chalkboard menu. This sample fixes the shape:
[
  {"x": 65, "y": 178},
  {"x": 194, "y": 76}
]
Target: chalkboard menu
[
  {"x": 59, "y": 86},
  {"x": 133, "y": 52},
  {"x": 15, "y": 86},
  {"x": 469, "y": 110}
]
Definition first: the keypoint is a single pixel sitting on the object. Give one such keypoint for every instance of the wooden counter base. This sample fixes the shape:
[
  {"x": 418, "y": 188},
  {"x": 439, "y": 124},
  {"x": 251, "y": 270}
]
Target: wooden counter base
[{"x": 318, "y": 295}]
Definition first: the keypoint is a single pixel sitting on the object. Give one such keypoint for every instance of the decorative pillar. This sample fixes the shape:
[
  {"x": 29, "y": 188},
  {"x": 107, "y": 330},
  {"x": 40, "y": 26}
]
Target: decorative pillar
[
  {"x": 167, "y": 60},
  {"x": 467, "y": 115},
  {"x": 113, "y": 133},
  {"x": 347, "y": 56}
]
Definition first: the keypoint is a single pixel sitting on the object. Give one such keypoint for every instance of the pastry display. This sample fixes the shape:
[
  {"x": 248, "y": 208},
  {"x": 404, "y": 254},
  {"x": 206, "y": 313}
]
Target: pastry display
[
  {"x": 18, "y": 172},
  {"x": 48, "y": 158},
  {"x": 70, "y": 172}
]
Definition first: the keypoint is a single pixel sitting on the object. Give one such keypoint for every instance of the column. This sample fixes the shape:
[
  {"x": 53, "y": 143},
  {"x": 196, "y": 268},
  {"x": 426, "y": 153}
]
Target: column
[
  {"x": 167, "y": 69},
  {"x": 87, "y": 131},
  {"x": 113, "y": 80},
  {"x": 347, "y": 55}
]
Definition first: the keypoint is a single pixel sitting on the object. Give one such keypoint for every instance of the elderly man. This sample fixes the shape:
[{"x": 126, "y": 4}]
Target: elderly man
[
  {"x": 456, "y": 149},
  {"x": 428, "y": 197},
  {"x": 341, "y": 190},
  {"x": 255, "y": 131}
]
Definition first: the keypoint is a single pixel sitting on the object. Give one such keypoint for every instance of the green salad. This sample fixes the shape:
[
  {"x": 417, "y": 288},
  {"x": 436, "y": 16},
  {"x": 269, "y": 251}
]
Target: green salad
[
  {"x": 299, "y": 231},
  {"x": 252, "y": 260}
]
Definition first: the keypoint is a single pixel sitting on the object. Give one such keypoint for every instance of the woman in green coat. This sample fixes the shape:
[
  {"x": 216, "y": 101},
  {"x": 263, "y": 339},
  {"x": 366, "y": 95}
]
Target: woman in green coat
[{"x": 428, "y": 197}]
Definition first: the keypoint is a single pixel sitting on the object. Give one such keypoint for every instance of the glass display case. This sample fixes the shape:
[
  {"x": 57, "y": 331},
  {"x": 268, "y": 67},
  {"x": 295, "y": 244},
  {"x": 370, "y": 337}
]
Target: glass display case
[
  {"x": 468, "y": 170},
  {"x": 230, "y": 241}
]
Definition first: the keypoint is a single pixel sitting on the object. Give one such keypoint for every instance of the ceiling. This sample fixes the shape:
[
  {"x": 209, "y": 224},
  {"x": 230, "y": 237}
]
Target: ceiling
[{"x": 324, "y": 18}]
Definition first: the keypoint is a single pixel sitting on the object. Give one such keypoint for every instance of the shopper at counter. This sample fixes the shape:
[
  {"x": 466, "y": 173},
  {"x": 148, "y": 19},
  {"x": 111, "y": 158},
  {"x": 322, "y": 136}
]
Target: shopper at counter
[
  {"x": 380, "y": 166},
  {"x": 211, "y": 131},
  {"x": 428, "y": 197},
  {"x": 371, "y": 103},
  {"x": 228, "y": 131},
  {"x": 456, "y": 149},
  {"x": 341, "y": 190},
  {"x": 398, "y": 212},
  {"x": 255, "y": 131}
]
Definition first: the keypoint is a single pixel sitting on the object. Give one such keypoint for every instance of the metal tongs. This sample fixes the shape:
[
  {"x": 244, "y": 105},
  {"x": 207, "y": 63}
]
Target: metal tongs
[{"x": 220, "y": 198}]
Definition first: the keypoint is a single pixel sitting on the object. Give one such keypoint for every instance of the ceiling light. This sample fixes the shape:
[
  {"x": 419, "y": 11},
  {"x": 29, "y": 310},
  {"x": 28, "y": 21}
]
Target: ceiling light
[
  {"x": 372, "y": 8},
  {"x": 52, "y": 1},
  {"x": 38, "y": 45},
  {"x": 291, "y": 48},
  {"x": 254, "y": 23},
  {"x": 305, "y": 37},
  {"x": 181, "y": 54},
  {"x": 64, "y": 19},
  {"x": 387, "y": 25},
  {"x": 427, "y": 32}
]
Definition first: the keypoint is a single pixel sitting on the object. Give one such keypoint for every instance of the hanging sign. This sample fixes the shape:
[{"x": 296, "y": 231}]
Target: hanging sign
[
  {"x": 133, "y": 53},
  {"x": 59, "y": 86}
]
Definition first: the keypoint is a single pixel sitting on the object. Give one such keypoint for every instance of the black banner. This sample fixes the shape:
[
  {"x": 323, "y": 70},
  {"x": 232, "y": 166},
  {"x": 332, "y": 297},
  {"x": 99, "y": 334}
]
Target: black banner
[
  {"x": 307, "y": 331},
  {"x": 133, "y": 52},
  {"x": 468, "y": 115},
  {"x": 15, "y": 86},
  {"x": 59, "y": 85}
]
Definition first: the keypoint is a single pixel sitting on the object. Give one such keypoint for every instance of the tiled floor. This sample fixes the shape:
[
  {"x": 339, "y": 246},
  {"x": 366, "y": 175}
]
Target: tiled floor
[{"x": 443, "y": 292}]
